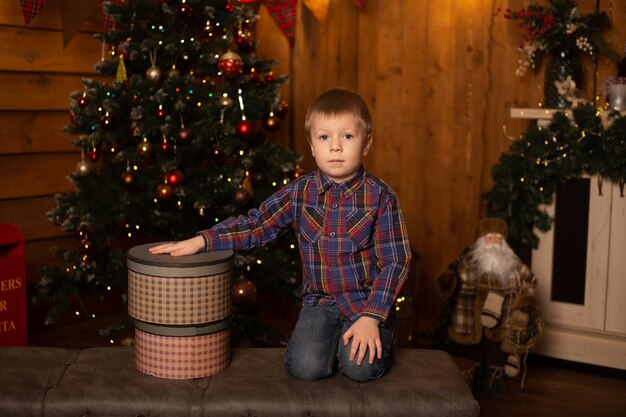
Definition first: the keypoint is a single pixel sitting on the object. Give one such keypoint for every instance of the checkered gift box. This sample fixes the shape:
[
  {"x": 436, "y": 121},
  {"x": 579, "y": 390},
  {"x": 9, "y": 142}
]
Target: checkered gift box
[{"x": 181, "y": 306}]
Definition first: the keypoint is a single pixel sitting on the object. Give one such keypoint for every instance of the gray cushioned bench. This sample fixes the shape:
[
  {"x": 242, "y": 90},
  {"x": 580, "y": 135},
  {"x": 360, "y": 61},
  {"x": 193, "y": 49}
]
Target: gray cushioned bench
[{"x": 48, "y": 382}]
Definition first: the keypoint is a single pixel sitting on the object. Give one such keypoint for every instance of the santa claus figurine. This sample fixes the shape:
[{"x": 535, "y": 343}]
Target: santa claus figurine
[{"x": 489, "y": 281}]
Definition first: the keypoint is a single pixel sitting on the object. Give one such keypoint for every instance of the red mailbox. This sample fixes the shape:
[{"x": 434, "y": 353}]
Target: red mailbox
[{"x": 13, "y": 330}]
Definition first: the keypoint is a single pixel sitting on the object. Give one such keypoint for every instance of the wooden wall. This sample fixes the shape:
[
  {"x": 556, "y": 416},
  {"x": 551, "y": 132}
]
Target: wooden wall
[
  {"x": 438, "y": 74},
  {"x": 36, "y": 78},
  {"x": 440, "y": 79}
]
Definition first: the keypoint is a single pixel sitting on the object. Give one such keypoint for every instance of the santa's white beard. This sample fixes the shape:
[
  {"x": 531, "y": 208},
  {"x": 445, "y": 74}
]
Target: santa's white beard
[{"x": 497, "y": 260}]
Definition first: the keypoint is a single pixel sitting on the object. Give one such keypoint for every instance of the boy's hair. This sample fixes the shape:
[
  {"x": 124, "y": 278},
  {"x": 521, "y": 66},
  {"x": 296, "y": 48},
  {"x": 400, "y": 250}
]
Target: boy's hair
[{"x": 339, "y": 101}]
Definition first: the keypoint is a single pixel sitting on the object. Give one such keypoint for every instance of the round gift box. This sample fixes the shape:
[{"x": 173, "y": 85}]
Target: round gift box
[{"x": 181, "y": 306}]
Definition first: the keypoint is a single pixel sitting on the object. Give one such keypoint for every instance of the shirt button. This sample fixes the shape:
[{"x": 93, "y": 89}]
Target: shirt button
[
  {"x": 333, "y": 266},
  {"x": 332, "y": 234},
  {"x": 335, "y": 205}
]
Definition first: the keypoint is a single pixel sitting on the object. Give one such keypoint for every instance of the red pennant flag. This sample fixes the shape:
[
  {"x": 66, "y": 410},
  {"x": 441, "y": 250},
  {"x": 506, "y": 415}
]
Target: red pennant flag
[
  {"x": 284, "y": 13},
  {"x": 30, "y": 9}
]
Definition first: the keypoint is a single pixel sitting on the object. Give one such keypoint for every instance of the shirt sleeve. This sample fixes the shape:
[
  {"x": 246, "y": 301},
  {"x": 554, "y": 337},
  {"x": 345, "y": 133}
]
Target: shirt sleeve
[
  {"x": 393, "y": 259},
  {"x": 259, "y": 227}
]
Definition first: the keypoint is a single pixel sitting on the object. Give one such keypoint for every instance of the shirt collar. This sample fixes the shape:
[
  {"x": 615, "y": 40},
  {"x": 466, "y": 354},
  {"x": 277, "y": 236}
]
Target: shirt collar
[{"x": 348, "y": 187}]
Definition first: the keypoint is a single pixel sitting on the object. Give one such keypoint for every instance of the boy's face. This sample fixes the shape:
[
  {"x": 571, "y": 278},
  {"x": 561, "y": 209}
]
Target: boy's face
[{"x": 338, "y": 144}]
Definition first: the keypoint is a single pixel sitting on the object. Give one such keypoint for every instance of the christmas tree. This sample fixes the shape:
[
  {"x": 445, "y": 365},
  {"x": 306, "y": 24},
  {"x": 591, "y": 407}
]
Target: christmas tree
[{"x": 173, "y": 141}]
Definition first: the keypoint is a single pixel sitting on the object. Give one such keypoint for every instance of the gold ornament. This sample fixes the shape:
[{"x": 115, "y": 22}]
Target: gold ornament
[
  {"x": 83, "y": 168},
  {"x": 144, "y": 148},
  {"x": 153, "y": 74}
]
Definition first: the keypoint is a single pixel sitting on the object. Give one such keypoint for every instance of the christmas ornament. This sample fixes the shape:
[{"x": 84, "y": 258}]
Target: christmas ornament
[
  {"x": 244, "y": 293},
  {"x": 166, "y": 147},
  {"x": 175, "y": 178},
  {"x": 82, "y": 101},
  {"x": 161, "y": 113},
  {"x": 128, "y": 179},
  {"x": 153, "y": 74},
  {"x": 184, "y": 135},
  {"x": 83, "y": 168},
  {"x": 226, "y": 101},
  {"x": 144, "y": 148},
  {"x": 282, "y": 109},
  {"x": 245, "y": 128},
  {"x": 165, "y": 192},
  {"x": 271, "y": 123},
  {"x": 244, "y": 42},
  {"x": 184, "y": 10},
  {"x": 230, "y": 64},
  {"x": 120, "y": 75},
  {"x": 242, "y": 196},
  {"x": 86, "y": 247},
  {"x": 269, "y": 78},
  {"x": 81, "y": 232},
  {"x": 173, "y": 73},
  {"x": 229, "y": 7},
  {"x": 93, "y": 155}
]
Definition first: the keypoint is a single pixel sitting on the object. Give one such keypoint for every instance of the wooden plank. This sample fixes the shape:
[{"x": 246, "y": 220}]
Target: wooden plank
[
  {"x": 33, "y": 50},
  {"x": 34, "y": 132},
  {"x": 29, "y": 215},
  {"x": 36, "y": 175},
  {"x": 29, "y": 91},
  {"x": 48, "y": 17}
]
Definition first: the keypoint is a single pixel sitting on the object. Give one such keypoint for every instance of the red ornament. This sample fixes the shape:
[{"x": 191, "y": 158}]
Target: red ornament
[
  {"x": 82, "y": 101},
  {"x": 230, "y": 64},
  {"x": 175, "y": 177},
  {"x": 93, "y": 155},
  {"x": 244, "y": 43},
  {"x": 229, "y": 7},
  {"x": 269, "y": 78},
  {"x": 184, "y": 136},
  {"x": 161, "y": 113},
  {"x": 242, "y": 196},
  {"x": 245, "y": 128}
]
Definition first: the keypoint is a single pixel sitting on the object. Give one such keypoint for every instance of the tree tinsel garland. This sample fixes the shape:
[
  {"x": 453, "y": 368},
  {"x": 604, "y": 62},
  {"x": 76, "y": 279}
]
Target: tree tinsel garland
[{"x": 527, "y": 175}]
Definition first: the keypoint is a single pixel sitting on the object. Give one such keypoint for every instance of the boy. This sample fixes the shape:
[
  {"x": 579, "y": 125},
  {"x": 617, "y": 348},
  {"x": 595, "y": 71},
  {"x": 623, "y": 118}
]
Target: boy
[{"x": 352, "y": 239}]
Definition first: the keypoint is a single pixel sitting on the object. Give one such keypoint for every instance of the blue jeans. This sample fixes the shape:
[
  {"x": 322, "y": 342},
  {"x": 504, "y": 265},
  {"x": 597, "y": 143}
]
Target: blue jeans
[{"x": 316, "y": 345}]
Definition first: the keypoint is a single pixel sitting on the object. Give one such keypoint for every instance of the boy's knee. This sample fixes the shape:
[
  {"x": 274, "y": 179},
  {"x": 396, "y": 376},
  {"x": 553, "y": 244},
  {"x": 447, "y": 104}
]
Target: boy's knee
[
  {"x": 307, "y": 370},
  {"x": 364, "y": 372}
]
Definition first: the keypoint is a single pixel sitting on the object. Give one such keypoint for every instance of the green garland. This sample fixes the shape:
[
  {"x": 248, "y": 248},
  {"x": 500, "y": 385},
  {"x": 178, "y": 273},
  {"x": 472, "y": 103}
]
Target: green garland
[{"x": 526, "y": 176}]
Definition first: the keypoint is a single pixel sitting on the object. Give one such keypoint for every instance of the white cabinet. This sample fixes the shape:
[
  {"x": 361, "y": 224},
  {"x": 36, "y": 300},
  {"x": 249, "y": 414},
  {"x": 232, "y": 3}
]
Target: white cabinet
[{"x": 591, "y": 329}]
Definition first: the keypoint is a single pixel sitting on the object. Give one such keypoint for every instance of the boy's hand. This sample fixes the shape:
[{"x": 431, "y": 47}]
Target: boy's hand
[
  {"x": 184, "y": 247},
  {"x": 365, "y": 335}
]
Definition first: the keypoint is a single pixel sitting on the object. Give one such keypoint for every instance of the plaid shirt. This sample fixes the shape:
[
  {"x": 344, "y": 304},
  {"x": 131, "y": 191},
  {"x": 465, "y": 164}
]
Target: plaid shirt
[{"x": 352, "y": 238}]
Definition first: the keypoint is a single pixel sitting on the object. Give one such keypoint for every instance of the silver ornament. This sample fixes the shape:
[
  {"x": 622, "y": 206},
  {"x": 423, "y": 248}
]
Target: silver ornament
[
  {"x": 83, "y": 168},
  {"x": 153, "y": 73}
]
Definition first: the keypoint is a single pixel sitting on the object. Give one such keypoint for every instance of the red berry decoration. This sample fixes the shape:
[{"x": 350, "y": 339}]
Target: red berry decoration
[
  {"x": 245, "y": 128},
  {"x": 175, "y": 177},
  {"x": 229, "y": 7},
  {"x": 230, "y": 64}
]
